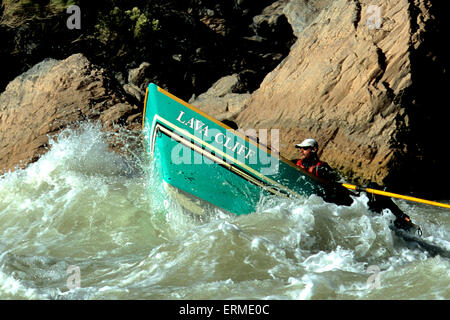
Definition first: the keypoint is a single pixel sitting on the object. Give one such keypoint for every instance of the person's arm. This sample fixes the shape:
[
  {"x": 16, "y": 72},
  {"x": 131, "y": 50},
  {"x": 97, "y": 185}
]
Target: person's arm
[
  {"x": 324, "y": 171},
  {"x": 378, "y": 203},
  {"x": 333, "y": 191}
]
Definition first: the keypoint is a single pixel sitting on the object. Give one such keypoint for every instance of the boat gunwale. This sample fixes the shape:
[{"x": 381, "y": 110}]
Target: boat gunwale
[
  {"x": 283, "y": 192},
  {"x": 237, "y": 133}
]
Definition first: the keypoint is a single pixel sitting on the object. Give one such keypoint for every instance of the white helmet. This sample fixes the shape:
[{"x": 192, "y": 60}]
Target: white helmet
[{"x": 310, "y": 142}]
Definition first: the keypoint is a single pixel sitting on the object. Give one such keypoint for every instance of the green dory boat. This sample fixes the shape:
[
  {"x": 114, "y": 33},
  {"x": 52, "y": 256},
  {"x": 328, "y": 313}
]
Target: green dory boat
[{"x": 202, "y": 159}]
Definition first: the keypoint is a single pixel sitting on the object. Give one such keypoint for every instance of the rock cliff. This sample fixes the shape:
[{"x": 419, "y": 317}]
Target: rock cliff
[
  {"x": 367, "y": 80},
  {"x": 356, "y": 80}
]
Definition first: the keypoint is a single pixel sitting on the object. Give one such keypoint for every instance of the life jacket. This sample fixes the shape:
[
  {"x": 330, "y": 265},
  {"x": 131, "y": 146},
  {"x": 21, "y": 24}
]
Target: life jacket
[{"x": 312, "y": 169}]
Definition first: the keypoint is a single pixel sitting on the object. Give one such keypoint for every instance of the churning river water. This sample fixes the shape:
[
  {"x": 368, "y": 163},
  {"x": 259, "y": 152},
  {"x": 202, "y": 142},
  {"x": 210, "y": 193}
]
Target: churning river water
[{"x": 85, "y": 223}]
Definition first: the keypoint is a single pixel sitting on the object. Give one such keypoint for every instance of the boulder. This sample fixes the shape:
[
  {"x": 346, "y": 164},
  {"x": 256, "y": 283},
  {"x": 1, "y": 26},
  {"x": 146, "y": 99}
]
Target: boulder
[
  {"x": 301, "y": 13},
  {"x": 220, "y": 101},
  {"x": 138, "y": 82},
  {"x": 269, "y": 20},
  {"x": 51, "y": 96}
]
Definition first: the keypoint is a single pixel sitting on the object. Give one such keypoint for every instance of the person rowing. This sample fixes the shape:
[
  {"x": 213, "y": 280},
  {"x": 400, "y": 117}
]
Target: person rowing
[{"x": 334, "y": 191}]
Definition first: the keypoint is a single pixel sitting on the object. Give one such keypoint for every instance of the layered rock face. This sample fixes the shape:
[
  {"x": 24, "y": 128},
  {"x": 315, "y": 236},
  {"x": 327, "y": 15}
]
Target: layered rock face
[
  {"x": 368, "y": 81},
  {"x": 51, "y": 96},
  {"x": 354, "y": 81}
]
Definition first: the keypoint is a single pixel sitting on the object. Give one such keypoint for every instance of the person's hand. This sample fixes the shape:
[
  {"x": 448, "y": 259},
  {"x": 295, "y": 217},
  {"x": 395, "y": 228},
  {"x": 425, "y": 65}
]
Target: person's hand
[{"x": 404, "y": 222}]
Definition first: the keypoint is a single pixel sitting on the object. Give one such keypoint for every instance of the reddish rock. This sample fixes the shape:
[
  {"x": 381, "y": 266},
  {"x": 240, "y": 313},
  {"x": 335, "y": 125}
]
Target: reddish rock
[
  {"x": 51, "y": 96},
  {"x": 348, "y": 82}
]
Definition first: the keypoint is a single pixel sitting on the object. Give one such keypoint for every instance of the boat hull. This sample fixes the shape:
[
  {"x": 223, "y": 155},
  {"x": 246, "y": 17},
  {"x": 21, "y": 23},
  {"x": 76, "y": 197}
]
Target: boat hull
[{"x": 210, "y": 161}]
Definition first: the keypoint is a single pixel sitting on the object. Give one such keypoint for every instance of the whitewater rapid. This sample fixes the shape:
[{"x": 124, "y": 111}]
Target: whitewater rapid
[{"x": 86, "y": 223}]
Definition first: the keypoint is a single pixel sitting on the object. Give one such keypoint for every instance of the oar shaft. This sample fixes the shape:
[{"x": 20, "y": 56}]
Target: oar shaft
[{"x": 395, "y": 195}]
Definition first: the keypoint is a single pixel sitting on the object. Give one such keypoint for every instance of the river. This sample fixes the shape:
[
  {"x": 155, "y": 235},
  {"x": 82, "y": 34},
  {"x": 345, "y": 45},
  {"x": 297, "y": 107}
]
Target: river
[{"x": 85, "y": 223}]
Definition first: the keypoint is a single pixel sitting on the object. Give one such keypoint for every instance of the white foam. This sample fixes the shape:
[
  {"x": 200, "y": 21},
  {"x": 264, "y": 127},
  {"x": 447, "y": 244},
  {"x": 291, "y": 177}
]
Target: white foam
[
  {"x": 72, "y": 202},
  {"x": 11, "y": 288}
]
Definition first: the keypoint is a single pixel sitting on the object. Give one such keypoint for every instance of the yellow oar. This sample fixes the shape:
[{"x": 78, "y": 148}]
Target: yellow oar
[{"x": 395, "y": 195}]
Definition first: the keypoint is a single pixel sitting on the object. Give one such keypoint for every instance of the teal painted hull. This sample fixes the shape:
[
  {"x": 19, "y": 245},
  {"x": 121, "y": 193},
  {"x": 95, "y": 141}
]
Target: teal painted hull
[{"x": 208, "y": 160}]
